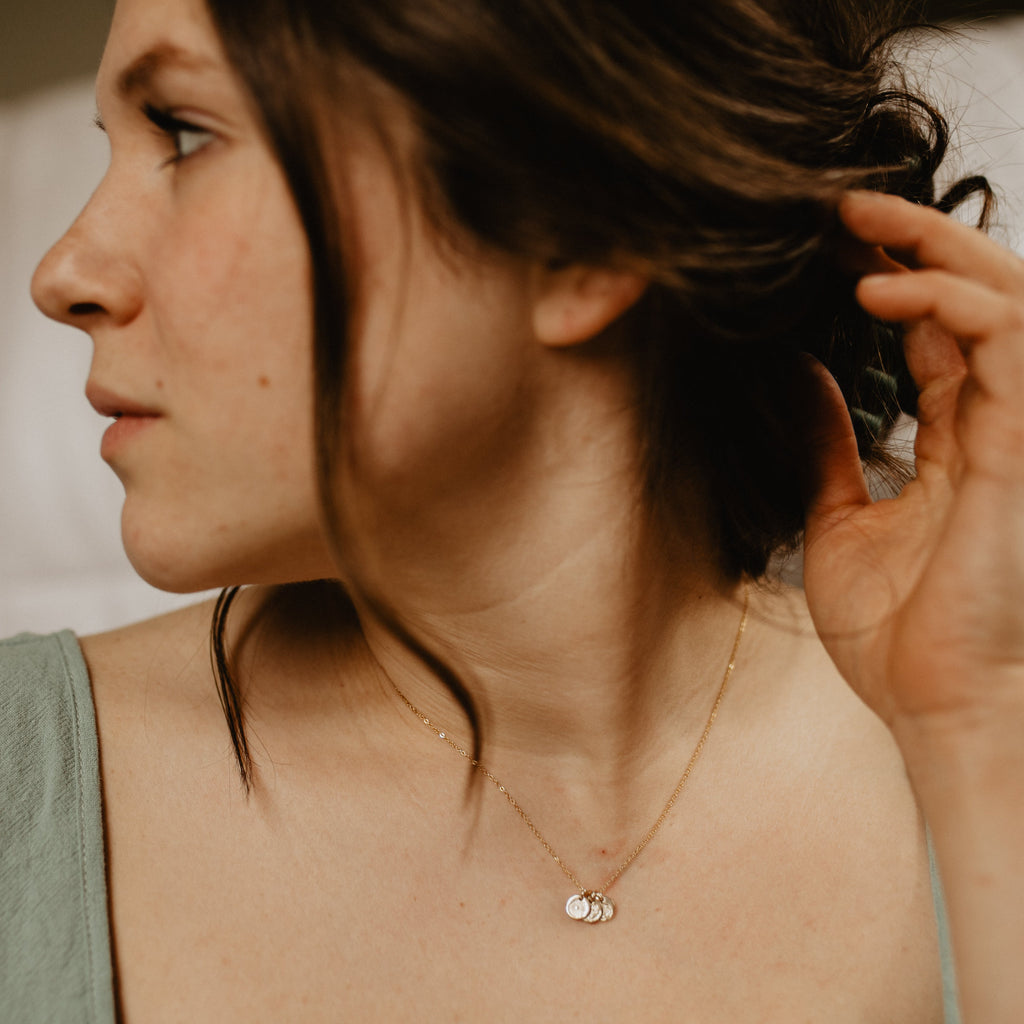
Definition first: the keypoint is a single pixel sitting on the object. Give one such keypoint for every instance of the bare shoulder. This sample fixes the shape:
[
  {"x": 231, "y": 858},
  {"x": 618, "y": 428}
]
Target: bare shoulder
[
  {"x": 169, "y": 652},
  {"x": 782, "y": 643},
  {"x": 822, "y": 744},
  {"x": 787, "y": 647},
  {"x": 817, "y": 833},
  {"x": 156, "y": 692}
]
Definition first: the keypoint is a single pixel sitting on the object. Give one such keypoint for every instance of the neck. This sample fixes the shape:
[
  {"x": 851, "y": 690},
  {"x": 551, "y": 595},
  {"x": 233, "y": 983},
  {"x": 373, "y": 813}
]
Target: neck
[
  {"x": 580, "y": 627},
  {"x": 557, "y": 673}
]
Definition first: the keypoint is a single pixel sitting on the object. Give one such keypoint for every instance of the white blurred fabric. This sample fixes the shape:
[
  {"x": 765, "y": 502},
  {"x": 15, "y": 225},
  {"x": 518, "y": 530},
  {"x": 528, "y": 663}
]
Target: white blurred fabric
[{"x": 61, "y": 563}]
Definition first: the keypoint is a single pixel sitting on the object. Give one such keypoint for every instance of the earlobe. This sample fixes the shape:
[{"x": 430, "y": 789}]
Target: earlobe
[{"x": 576, "y": 303}]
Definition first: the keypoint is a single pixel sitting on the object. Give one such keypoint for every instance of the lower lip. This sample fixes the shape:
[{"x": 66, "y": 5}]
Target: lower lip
[{"x": 121, "y": 431}]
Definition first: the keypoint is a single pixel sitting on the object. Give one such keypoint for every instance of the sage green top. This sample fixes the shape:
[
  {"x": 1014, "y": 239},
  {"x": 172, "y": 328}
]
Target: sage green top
[
  {"x": 55, "y": 951},
  {"x": 55, "y": 957}
]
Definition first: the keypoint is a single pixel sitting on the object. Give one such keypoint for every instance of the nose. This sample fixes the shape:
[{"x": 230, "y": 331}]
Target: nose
[{"x": 87, "y": 276}]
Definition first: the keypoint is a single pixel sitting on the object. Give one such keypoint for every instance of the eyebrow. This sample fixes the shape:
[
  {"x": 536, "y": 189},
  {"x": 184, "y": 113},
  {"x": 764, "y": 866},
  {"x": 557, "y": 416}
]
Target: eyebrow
[{"x": 141, "y": 72}]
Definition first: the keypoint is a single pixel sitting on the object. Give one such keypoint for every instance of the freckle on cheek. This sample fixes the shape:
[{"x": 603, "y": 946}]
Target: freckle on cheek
[
  {"x": 264, "y": 382},
  {"x": 159, "y": 385}
]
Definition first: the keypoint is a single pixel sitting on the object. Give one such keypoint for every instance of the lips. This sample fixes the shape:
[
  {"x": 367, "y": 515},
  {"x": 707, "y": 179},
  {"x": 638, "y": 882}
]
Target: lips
[
  {"x": 131, "y": 420},
  {"x": 110, "y": 403}
]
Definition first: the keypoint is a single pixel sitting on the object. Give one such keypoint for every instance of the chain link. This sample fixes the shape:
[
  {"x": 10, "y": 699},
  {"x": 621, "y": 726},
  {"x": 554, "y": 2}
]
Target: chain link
[{"x": 653, "y": 830}]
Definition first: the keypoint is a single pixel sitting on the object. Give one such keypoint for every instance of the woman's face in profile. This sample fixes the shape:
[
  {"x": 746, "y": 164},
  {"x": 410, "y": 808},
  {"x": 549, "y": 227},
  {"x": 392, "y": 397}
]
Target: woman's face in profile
[
  {"x": 190, "y": 271},
  {"x": 188, "y": 268}
]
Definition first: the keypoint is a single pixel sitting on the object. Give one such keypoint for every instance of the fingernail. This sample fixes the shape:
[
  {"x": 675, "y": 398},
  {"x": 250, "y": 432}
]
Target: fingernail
[
  {"x": 867, "y": 196},
  {"x": 877, "y": 280}
]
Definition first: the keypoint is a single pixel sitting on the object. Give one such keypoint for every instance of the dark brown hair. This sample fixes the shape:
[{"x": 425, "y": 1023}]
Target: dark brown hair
[{"x": 703, "y": 142}]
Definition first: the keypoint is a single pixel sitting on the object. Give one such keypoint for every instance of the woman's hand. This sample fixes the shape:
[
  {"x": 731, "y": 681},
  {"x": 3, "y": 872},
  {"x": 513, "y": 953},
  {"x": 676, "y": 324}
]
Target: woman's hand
[{"x": 920, "y": 599}]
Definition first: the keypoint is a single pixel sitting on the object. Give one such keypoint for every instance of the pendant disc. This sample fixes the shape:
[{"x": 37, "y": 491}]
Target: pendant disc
[
  {"x": 607, "y": 909},
  {"x": 577, "y": 907}
]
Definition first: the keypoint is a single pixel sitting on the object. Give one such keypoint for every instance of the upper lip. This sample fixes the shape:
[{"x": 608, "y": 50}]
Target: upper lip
[{"x": 110, "y": 403}]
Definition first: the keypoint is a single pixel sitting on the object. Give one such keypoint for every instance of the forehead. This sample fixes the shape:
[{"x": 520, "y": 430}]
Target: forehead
[{"x": 147, "y": 36}]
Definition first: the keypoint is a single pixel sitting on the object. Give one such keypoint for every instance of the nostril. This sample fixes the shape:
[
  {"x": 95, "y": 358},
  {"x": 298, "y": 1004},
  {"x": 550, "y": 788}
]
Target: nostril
[{"x": 84, "y": 308}]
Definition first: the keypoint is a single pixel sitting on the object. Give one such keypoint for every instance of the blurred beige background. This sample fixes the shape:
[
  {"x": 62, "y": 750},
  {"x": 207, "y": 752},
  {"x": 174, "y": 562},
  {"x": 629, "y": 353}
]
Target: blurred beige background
[{"x": 44, "y": 41}]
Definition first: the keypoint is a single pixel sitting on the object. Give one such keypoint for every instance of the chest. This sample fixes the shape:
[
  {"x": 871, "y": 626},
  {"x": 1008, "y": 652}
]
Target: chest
[{"x": 438, "y": 914}]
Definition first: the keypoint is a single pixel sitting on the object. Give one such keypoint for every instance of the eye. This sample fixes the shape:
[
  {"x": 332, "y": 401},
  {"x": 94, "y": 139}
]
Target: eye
[{"x": 186, "y": 138}]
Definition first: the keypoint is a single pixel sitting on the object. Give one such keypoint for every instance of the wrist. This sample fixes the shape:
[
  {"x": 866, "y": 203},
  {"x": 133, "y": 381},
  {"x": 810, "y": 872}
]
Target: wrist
[
  {"x": 971, "y": 753},
  {"x": 967, "y": 769}
]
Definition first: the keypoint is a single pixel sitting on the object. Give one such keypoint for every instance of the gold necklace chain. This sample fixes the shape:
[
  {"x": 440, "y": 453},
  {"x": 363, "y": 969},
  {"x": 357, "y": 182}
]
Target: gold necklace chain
[{"x": 593, "y": 905}]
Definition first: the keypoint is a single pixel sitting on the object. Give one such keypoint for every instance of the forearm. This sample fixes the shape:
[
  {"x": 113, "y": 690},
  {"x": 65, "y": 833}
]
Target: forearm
[{"x": 970, "y": 782}]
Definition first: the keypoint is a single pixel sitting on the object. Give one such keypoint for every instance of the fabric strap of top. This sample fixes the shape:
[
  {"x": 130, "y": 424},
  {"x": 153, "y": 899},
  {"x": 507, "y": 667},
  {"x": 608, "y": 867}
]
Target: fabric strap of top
[
  {"x": 55, "y": 956},
  {"x": 950, "y": 999}
]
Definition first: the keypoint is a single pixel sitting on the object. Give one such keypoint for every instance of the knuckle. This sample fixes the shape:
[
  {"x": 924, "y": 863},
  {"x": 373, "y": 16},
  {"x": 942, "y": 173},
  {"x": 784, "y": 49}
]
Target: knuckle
[{"x": 935, "y": 400}]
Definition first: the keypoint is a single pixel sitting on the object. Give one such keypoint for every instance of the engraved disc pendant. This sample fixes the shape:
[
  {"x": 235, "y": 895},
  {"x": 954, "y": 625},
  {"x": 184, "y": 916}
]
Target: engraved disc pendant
[
  {"x": 591, "y": 907},
  {"x": 577, "y": 907}
]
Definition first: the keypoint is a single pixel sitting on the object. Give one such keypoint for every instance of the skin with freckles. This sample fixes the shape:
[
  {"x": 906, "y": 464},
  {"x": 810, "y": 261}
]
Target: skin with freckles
[
  {"x": 489, "y": 497},
  {"x": 197, "y": 311}
]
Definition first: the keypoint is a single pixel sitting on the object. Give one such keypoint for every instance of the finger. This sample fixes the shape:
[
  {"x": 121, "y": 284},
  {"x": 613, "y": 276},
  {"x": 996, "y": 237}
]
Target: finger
[
  {"x": 985, "y": 398},
  {"x": 990, "y": 436},
  {"x": 932, "y": 353},
  {"x": 857, "y": 258},
  {"x": 967, "y": 357},
  {"x": 974, "y": 314},
  {"x": 932, "y": 238},
  {"x": 937, "y": 366}
]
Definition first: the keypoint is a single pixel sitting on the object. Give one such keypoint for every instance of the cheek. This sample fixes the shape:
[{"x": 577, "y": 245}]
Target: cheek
[
  {"x": 227, "y": 491},
  {"x": 243, "y": 259},
  {"x": 231, "y": 297}
]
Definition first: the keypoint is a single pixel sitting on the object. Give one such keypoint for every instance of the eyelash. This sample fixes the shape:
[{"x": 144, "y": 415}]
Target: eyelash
[{"x": 173, "y": 128}]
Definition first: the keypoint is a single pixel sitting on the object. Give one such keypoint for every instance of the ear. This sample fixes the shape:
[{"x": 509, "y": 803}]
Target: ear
[{"x": 573, "y": 304}]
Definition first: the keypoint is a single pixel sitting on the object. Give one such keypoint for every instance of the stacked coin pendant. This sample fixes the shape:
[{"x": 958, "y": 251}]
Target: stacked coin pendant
[{"x": 590, "y": 907}]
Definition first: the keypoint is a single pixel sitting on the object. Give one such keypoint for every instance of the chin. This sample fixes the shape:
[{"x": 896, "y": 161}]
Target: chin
[
  {"x": 174, "y": 562},
  {"x": 175, "y": 579},
  {"x": 180, "y": 561}
]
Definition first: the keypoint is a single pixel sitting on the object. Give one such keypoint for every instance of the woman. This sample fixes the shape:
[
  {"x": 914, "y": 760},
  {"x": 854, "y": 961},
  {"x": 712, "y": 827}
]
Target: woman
[{"x": 570, "y": 268}]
